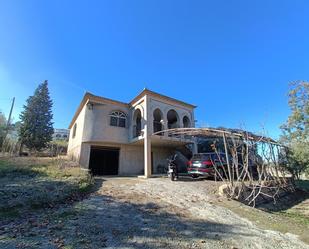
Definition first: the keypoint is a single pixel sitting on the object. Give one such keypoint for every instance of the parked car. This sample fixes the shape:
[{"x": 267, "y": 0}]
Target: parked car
[{"x": 202, "y": 164}]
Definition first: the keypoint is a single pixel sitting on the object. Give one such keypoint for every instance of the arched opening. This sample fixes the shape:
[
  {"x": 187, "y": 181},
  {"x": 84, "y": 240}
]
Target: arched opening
[
  {"x": 172, "y": 119},
  {"x": 157, "y": 120},
  {"x": 137, "y": 123},
  {"x": 186, "y": 122}
]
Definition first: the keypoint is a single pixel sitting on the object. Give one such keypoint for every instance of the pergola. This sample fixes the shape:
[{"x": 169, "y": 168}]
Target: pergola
[
  {"x": 218, "y": 132},
  {"x": 271, "y": 179}
]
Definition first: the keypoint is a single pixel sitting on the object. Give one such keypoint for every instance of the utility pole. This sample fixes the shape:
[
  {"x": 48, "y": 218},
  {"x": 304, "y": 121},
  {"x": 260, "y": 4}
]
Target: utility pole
[
  {"x": 9, "y": 119},
  {"x": 8, "y": 124}
]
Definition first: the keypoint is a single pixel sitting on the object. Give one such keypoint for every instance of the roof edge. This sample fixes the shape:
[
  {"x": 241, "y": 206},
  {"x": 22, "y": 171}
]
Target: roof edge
[
  {"x": 90, "y": 96},
  {"x": 147, "y": 91},
  {"x": 87, "y": 95}
]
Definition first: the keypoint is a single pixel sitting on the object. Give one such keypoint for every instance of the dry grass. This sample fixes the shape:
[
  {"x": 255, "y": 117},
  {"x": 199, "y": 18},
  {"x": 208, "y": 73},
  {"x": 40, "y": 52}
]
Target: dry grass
[
  {"x": 28, "y": 183},
  {"x": 284, "y": 217}
]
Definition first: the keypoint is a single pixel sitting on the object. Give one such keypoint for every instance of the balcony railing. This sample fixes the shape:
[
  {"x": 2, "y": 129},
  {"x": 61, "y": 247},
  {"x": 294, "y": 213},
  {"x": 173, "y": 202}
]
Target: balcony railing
[
  {"x": 137, "y": 131},
  {"x": 157, "y": 126}
]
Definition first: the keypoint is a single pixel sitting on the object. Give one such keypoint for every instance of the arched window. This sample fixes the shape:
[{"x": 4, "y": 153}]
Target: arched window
[
  {"x": 137, "y": 123},
  {"x": 118, "y": 118},
  {"x": 157, "y": 120},
  {"x": 74, "y": 130},
  {"x": 172, "y": 119}
]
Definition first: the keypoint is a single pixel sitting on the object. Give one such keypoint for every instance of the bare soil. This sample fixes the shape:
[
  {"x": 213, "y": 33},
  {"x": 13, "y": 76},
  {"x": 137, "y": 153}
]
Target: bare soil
[{"x": 152, "y": 213}]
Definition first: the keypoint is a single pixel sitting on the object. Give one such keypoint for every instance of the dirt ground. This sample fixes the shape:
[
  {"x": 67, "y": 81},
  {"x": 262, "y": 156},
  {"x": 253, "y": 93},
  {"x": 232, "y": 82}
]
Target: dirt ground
[{"x": 152, "y": 213}]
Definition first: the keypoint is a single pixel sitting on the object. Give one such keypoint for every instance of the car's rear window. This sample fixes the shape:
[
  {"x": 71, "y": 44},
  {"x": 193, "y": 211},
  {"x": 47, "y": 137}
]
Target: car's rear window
[{"x": 200, "y": 157}]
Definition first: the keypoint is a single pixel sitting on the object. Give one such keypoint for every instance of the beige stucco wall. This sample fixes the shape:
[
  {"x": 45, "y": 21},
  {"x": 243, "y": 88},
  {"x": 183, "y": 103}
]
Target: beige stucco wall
[
  {"x": 131, "y": 161},
  {"x": 166, "y": 106},
  {"x": 160, "y": 156},
  {"x": 84, "y": 155},
  {"x": 93, "y": 124},
  {"x": 93, "y": 128},
  {"x": 131, "y": 157},
  {"x": 97, "y": 124},
  {"x": 74, "y": 145}
]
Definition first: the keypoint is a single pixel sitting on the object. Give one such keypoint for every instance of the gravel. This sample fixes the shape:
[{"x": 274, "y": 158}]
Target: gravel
[{"x": 139, "y": 213}]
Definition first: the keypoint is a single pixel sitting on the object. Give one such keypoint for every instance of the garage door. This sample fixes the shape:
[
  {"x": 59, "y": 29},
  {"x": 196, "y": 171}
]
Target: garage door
[{"x": 104, "y": 161}]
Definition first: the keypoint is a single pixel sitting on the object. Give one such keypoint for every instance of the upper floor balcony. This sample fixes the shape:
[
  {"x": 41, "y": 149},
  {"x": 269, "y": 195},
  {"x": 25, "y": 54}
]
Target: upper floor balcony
[{"x": 158, "y": 124}]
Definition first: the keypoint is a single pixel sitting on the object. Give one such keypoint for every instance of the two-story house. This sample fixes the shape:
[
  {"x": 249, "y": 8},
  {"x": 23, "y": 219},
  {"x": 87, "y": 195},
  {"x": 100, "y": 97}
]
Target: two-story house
[{"x": 110, "y": 137}]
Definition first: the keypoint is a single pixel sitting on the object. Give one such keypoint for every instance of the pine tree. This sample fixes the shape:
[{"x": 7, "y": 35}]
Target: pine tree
[{"x": 36, "y": 119}]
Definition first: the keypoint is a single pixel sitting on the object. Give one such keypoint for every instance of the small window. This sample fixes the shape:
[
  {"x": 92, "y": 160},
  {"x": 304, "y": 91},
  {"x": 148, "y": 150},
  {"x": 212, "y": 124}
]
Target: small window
[
  {"x": 114, "y": 121},
  {"x": 65, "y": 136},
  {"x": 74, "y": 131},
  {"x": 122, "y": 122},
  {"x": 118, "y": 118}
]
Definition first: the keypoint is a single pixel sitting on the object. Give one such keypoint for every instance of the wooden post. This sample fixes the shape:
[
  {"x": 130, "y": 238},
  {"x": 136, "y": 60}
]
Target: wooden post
[{"x": 227, "y": 159}]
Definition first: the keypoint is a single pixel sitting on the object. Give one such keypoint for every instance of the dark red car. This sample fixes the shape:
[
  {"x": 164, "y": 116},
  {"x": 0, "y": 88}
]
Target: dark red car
[{"x": 202, "y": 164}]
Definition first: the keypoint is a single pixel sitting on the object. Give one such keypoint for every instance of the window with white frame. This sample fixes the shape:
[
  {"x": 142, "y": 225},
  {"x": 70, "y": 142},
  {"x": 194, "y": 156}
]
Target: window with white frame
[{"x": 118, "y": 118}]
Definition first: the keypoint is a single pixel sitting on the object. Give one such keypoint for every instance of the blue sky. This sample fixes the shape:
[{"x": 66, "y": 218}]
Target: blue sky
[{"x": 234, "y": 59}]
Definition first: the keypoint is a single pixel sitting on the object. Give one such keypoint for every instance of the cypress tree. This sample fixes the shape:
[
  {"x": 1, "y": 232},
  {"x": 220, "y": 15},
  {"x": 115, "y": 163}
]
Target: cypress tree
[{"x": 36, "y": 119}]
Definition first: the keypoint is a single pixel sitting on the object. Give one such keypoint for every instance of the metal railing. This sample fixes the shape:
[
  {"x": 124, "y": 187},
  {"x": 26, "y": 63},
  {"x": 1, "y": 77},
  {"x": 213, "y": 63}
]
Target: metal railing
[
  {"x": 157, "y": 126},
  {"x": 137, "y": 131}
]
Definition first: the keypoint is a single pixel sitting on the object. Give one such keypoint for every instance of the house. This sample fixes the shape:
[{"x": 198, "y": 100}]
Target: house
[
  {"x": 110, "y": 137},
  {"x": 61, "y": 134}
]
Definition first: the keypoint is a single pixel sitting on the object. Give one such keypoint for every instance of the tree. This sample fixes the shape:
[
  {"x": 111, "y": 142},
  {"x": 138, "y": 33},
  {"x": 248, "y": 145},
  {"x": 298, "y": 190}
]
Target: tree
[
  {"x": 36, "y": 119},
  {"x": 296, "y": 129}
]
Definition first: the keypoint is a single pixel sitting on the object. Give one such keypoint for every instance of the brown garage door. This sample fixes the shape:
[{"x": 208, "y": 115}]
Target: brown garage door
[{"x": 104, "y": 160}]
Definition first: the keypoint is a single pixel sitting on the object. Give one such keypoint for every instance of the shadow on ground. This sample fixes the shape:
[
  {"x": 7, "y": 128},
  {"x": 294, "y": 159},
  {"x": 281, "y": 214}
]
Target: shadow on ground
[
  {"x": 303, "y": 184},
  {"x": 104, "y": 221},
  {"x": 289, "y": 200},
  {"x": 128, "y": 221},
  {"x": 285, "y": 202}
]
